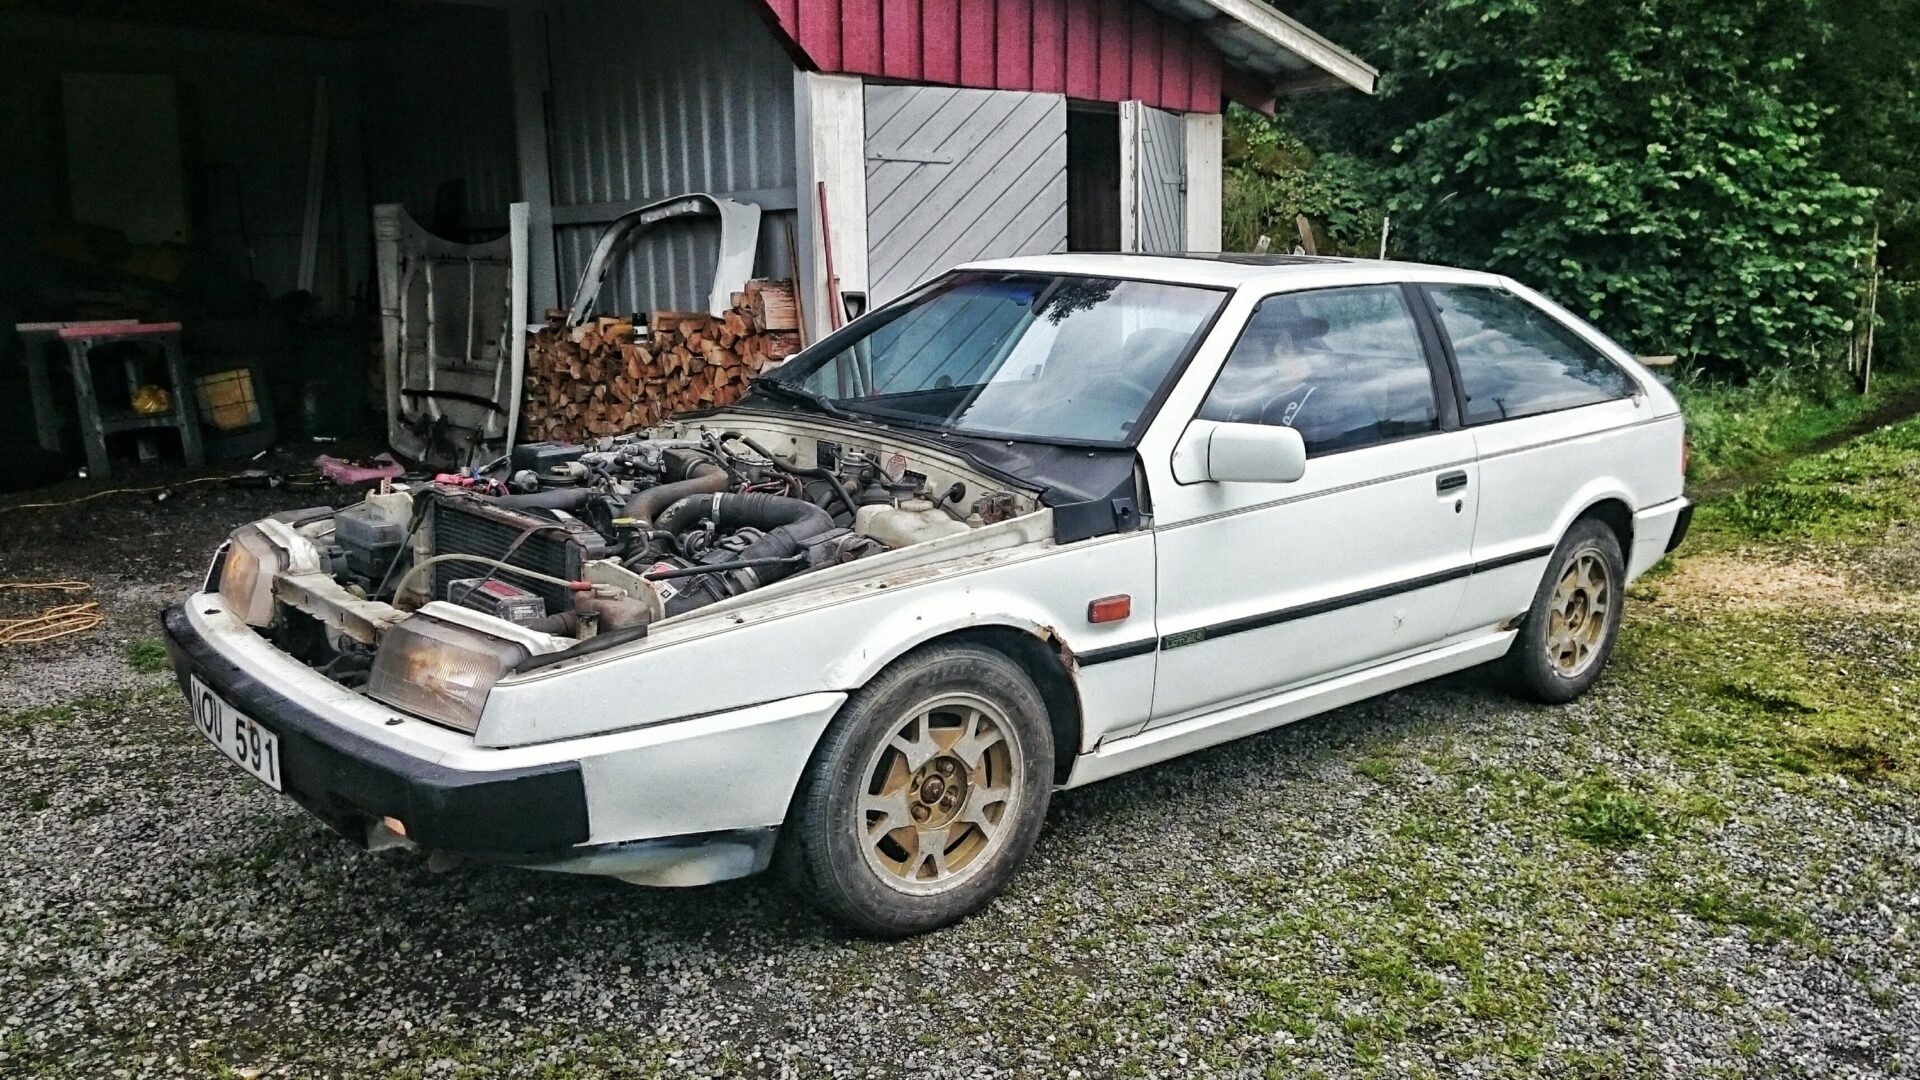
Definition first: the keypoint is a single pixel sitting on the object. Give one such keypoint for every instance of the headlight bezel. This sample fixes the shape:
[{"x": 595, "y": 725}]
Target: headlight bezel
[
  {"x": 247, "y": 572},
  {"x": 440, "y": 671}
]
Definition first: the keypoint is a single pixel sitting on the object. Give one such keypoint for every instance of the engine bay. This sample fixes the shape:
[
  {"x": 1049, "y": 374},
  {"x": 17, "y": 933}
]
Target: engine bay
[{"x": 582, "y": 541}]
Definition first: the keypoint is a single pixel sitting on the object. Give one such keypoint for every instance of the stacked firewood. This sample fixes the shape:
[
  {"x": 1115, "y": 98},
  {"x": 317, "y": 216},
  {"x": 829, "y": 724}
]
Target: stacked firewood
[{"x": 609, "y": 375}]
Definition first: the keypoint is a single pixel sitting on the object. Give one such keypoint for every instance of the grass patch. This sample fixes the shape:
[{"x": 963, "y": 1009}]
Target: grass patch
[
  {"x": 1602, "y": 813},
  {"x": 131, "y": 706},
  {"x": 1763, "y": 922},
  {"x": 1377, "y": 769},
  {"x": 1782, "y": 696},
  {"x": 1734, "y": 429},
  {"x": 148, "y": 657},
  {"x": 44, "y": 718},
  {"x": 1850, "y": 493}
]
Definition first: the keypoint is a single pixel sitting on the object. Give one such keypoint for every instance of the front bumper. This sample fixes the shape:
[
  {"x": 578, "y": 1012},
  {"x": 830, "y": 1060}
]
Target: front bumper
[
  {"x": 351, "y": 782},
  {"x": 677, "y": 803}
]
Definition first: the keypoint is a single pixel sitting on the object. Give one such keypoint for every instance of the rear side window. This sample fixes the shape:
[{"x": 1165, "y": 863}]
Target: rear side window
[
  {"x": 1343, "y": 367},
  {"x": 1516, "y": 360}
]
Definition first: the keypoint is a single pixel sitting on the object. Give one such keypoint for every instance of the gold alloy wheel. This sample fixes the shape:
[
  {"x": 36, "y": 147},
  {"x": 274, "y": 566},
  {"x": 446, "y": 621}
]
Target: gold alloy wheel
[
  {"x": 940, "y": 794},
  {"x": 1577, "y": 614}
]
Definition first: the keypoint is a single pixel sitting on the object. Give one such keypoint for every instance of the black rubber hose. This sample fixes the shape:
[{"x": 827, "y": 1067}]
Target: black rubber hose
[
  {"x": 782, "y": 544},
  {"x": 789, "y": 524},
  {"x": 796, "y": 470},
  {"x": 705, "y": 478},
  {"x": 754, "y": 510},
  {"x": 554, "y": 499},
  {"x": 684, "y": 514}
]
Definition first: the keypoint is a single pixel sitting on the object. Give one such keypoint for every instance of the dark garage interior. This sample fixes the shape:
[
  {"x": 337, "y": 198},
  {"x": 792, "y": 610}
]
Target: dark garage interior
[{"x": 213, "y": 165}]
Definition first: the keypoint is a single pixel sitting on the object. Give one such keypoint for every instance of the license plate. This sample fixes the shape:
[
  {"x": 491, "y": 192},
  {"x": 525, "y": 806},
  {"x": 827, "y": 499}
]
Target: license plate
[{"x": 256, "y": 749}]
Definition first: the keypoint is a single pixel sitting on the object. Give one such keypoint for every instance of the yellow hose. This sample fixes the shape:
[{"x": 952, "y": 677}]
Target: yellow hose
[{"x": 61, "y": 620}]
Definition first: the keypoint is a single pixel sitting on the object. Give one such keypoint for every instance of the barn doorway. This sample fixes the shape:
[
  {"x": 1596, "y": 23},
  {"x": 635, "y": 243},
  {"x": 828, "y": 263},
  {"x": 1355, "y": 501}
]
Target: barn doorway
[{"x": 1093, "y": 177}]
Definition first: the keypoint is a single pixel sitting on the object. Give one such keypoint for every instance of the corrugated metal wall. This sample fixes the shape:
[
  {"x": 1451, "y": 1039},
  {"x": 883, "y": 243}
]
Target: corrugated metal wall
[
  {"x": 959, "y": 175},
  {"x": 438, "y": 117},
  {"x": 652, "y": 98}
]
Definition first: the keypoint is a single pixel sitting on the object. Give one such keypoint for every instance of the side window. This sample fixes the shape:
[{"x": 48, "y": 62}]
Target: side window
[
  {"x": 1344, "y": 367},
  {"x": 1516, "y": 360}
]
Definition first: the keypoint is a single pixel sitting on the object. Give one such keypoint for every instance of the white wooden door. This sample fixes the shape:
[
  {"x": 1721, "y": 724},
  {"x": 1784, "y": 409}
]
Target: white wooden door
[
  {"x": 1153, "y": 182},
  {"x": 959, "y": 175}
]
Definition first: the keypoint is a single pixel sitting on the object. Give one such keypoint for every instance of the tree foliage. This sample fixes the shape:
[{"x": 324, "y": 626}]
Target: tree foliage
[
  {"x": 1271, "y": 177},
  {"x": 1677, "y": 170}
]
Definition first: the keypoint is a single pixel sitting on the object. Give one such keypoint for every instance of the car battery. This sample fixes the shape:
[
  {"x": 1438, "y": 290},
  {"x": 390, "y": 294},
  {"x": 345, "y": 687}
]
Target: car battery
[{"x": 501, "y": 599}]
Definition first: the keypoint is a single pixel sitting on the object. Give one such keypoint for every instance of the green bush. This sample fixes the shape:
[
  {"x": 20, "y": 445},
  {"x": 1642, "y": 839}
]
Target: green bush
[
  {"x": 1896, "y": 340},
  {"x": 1660, "y": 167},
  {"x": 1270, "y": 177}
]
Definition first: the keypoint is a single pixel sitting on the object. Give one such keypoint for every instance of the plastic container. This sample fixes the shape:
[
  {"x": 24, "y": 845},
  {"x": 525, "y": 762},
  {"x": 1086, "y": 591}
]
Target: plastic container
[
  {"x": 370, "y": 535},
  {"x": 912, "y": 522}
]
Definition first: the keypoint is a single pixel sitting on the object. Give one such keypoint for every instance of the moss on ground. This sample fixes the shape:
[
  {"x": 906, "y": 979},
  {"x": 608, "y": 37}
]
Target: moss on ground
[{"x": 148, "y": 656}]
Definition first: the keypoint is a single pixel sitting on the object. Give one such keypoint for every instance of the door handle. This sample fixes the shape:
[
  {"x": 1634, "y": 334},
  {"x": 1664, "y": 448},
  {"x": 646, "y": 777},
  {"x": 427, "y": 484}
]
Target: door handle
[{"x": 1450, "y": 481}]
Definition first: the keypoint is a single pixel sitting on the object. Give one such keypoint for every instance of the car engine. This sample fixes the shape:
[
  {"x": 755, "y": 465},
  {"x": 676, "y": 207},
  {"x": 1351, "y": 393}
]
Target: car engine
[{"x": 579, "y": 540}]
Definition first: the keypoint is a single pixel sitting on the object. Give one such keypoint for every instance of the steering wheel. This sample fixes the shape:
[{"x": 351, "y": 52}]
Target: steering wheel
[{"x": 1123, "y": 388}]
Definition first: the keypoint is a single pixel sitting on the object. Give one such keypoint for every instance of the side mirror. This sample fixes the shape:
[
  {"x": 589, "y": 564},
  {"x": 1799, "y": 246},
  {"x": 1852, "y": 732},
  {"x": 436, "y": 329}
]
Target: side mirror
[{"x": 1239, "y": 453}]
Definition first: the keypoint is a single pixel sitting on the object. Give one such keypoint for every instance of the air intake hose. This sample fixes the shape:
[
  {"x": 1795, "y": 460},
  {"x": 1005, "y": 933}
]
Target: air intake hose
[
  {"x": 789, "y": 524},
  {"x": 704, "y": 478},
  {"x": 556, "y": 499}
]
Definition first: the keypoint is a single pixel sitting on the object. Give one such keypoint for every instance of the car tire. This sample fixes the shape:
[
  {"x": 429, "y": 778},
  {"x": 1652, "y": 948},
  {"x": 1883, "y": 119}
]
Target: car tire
[
  {"x": 924, "y": 795},
  {"x": 1568, "y": 632}
]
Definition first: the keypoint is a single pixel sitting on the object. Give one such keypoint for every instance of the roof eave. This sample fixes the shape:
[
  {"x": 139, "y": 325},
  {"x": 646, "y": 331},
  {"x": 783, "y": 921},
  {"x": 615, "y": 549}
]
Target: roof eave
[{"x": 1295, "y": 38}]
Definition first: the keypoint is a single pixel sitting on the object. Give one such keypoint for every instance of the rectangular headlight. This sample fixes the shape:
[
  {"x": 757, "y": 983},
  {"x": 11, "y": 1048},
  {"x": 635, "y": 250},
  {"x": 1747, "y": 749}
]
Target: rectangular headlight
[
  {"x": 246, "y": 578},
  {"x": 439, "y": 671}
]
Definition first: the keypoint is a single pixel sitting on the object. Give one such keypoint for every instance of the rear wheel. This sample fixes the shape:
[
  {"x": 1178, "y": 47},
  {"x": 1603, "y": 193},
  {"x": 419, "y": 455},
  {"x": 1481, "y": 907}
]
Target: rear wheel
[
  {"x": 925, "y": 793},
  {"x": 1568, "y": 633}
]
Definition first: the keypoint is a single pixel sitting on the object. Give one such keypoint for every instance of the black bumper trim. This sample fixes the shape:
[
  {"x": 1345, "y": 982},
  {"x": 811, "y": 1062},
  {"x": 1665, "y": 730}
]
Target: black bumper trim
[
  {"x": 1681, "y": 524},
  {"x": 349, "y": 781}
]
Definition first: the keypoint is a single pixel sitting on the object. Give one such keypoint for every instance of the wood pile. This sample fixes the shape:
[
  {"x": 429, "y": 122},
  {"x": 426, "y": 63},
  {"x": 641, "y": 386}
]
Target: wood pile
[{"x": 609, "y": 375}]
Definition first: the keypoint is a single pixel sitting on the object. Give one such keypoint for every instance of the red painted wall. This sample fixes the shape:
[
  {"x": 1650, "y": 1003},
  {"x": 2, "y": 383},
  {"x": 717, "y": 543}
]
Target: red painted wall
[{"x": 1101, "y": 50}]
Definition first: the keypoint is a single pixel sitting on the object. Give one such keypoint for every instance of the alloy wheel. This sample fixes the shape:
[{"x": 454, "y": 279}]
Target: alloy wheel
[
  {"x": 939, "y": 796},
  {"x": 1578, "y": 613}
]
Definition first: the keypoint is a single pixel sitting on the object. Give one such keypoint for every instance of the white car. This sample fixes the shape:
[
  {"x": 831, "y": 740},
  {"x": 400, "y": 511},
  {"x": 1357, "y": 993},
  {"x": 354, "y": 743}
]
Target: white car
[{"x": 1038, "y": 523}]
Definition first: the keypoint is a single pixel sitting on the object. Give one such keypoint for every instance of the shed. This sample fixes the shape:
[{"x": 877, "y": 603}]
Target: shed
[
  {"x": 897, "y": 137},
  {"x": 203, "y": 159}
]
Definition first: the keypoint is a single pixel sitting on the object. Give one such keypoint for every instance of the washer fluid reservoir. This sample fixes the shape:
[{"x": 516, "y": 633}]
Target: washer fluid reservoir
[{"x": 912, "y": 522}]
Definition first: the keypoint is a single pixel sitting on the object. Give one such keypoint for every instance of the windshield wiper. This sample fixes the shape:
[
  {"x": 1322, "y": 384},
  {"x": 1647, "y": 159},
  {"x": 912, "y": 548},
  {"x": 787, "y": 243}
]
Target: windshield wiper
[{"x": 801, "y": 394}]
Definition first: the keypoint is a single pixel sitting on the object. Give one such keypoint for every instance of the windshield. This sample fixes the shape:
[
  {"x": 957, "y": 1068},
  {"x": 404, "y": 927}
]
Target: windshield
[{"x": 1026, "y": 356}]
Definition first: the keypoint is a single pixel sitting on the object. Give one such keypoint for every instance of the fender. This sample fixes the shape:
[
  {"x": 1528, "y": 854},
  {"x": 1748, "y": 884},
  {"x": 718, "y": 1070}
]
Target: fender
[
  {"x": 908, "y": 628},
  {"x": 1591, "y": 494}
]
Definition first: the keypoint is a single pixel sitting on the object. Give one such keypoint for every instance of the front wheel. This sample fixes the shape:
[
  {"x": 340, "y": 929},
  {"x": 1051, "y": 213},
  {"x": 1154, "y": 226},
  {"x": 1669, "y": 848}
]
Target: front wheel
[
  {"x": 925, "y": 793},
  {"x": 1568, "y": 633}
]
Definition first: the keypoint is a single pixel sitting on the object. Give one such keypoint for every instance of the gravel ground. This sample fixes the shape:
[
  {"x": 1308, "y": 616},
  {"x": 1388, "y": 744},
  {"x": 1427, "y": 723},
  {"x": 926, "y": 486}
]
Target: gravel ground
[{"x": 1709, "y": 865}]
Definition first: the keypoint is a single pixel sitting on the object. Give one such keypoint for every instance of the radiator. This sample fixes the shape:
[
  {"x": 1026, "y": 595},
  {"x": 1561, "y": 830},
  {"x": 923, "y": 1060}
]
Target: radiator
[{"x": 465, "y": 524}]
